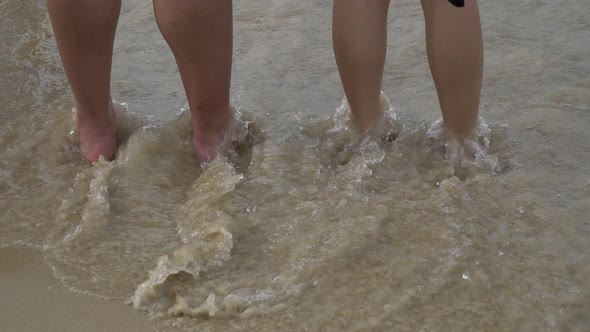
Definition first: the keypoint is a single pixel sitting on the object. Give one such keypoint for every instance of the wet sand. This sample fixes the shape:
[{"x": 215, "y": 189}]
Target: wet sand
[{"x": 33, "y": 300}]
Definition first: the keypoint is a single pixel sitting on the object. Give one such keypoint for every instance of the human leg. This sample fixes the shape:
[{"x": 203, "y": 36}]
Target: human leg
[
  {"x": 359, "y": 33},
  {"x": 85, "y": 33},
  {"x": 199, "y": 32},
  {"x": 455, "y": 55}
]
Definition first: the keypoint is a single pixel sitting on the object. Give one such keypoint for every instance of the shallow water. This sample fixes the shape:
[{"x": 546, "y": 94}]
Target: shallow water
[{"x": 307, "y": 227}]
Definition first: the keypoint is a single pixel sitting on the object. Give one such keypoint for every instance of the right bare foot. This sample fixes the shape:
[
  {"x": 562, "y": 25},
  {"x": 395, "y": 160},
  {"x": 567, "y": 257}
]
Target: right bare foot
[
  {"x": 367, "y": 120},
  {"x": 458, "y": 146},
  {"x": 209, "y": 134},
  {"x": 97, "y": 136}
]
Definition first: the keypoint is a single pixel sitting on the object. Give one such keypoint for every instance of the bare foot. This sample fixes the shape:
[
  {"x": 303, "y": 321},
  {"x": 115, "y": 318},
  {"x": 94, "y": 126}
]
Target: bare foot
[
  {"x": 380, "y": 123},
  {"x": 209, "y": 134},
  {"x": 98, "y": 137},
  {"x": 460, "y": 147},
  {"x": 472, "y": 147},
  {"x": 368, "y": 119}
]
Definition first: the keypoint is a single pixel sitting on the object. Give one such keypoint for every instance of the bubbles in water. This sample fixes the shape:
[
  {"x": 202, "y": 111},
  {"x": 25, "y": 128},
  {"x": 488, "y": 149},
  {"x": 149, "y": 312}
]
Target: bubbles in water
[
  {"x": 468, "y": 158},
  {"x": 472, "y": 149}
]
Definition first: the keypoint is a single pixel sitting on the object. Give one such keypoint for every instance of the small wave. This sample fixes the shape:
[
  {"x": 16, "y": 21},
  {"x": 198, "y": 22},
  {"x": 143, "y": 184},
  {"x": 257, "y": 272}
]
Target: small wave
[{"x": 206, "y": 239}]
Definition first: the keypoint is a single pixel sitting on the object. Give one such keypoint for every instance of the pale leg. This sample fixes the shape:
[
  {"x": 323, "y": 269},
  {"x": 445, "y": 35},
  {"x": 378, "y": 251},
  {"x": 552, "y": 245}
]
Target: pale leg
[{"x": 199, "y": 32}]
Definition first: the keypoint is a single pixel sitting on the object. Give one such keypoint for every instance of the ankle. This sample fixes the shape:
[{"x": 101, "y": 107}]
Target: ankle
[
  {"x": 367, "y": 119},
  {"x": 211, "y": 121},
  {"x": 95, "y": 118},
  {"x": 459, "y": 135}
]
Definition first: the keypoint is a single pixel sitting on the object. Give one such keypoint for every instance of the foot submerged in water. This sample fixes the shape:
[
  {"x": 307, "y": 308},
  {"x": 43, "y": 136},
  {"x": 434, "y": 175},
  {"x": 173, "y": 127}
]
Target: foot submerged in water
[
  {"x": 98, "y": 137},
  {"x": 381, "y": 125},
  {"x": 387, "y": 126},
  {"x": 471, "y": 148},
  {"x": 210, "y": 135}
]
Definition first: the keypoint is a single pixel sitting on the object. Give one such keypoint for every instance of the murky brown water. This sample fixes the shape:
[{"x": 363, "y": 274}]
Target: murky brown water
[{"x": 308, "y": 228}]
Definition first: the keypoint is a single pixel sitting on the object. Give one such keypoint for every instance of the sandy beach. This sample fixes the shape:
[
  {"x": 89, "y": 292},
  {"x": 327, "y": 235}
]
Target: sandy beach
[{"x": 33, "y": 300}]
